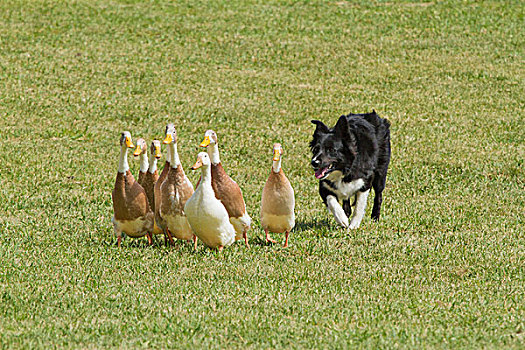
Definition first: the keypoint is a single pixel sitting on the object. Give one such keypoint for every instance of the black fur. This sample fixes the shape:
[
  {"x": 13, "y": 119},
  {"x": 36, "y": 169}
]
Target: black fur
[{"x": 358, "y": 146}]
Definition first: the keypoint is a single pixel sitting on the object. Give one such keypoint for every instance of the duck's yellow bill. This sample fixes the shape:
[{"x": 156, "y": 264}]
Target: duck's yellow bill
[
  {"x": 129, "y": 144},
  {"x": 205, "y": 142},
  {"x": 138, "y": 151},
  {"x": 168, "y": 139},
  {"x": 276, "y": 155},
  {"x": 157, "y": 152},
  {"x": 197, "y": 164}
]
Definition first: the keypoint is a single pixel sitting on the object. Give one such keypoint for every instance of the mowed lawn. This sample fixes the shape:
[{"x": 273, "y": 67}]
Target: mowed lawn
[{"x": 445, "y": 266}]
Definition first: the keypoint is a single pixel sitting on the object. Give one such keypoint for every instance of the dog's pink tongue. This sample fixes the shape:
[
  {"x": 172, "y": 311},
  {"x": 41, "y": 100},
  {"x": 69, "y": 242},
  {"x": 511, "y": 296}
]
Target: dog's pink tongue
[{"x": 320, "y": 173}]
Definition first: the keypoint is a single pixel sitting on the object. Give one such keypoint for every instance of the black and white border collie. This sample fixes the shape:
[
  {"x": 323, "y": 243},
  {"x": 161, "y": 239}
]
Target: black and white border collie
[{"x": 349, "y": 159}]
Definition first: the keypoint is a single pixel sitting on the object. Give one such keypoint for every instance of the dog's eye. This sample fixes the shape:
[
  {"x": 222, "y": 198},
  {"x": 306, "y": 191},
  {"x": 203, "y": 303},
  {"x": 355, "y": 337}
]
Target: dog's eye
[{"x": 316, "y": 149}]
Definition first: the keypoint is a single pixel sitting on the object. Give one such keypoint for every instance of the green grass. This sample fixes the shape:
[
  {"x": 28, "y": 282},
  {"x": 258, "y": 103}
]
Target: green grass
[{"x": 443, "y": 268}]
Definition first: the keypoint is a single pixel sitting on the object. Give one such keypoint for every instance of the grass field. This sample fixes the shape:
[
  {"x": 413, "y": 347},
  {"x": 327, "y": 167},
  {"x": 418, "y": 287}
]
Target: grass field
[{"x": 445, "y": 267}]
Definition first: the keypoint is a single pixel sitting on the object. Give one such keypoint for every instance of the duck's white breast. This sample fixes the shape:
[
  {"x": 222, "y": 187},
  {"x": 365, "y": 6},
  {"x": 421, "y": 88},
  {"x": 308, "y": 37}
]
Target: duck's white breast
[
  {"x": 133, "y": 228},
  {"x": 179, "y": 226},
  {"x": 278, "y": 223},
  {"x": 209, "y": 219}
]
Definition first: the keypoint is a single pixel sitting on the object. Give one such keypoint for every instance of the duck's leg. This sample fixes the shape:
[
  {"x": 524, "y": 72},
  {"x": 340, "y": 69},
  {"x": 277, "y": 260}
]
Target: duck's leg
[
  {"x": 245, "y": 235},
  {"x": 286, "y": 241},
  {"x": 194, "y": 242},
  {"x": 170, "y": 238},
  {"x": 118, "y": 232},
  {"x": 150, "y": 238},
  {"x": 220, "y": 248},
  {"x": 268, "y": 238}
]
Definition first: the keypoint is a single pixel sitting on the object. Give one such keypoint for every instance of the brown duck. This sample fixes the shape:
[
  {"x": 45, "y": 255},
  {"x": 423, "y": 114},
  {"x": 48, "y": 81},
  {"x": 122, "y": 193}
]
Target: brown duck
[
  {"x": 132, "y": 214},
  {"x": 278, "y": 200},
  {"x": 175, "y": 190},
  {"x": 142, "y": 152},
  {"x": 151, "y": 177},
  {"x": 156, "y": 189},
  {"x": 226, "y": 190}
]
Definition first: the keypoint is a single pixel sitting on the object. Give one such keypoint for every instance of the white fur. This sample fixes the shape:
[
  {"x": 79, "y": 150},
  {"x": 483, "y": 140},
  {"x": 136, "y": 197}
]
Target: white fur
[
  {"x": 241, "y": 225},
  {"x": 132, "y": 228},
  {"x": 336, "y": 209},
  {"x": 343, "y": 189},
  {"x": 278, "y": 223},
  {"x": 123, "y": 165},
  {"x": 360, "y": 207}
]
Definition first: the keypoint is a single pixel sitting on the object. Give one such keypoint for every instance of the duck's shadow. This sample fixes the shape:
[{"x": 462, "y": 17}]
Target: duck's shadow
[
  {"x": 301, "y": 226},
  {"x": 261, "y": 241}
]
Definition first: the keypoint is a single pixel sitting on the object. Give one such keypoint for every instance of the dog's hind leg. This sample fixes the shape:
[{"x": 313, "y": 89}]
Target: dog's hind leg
[
  {"x": 379, "y": 185},
  {"x": 360, "y": 207},
  {"x": 347, "y": 207},
  {"x": 379, "y": 181},
  {"x": 335, "y": 208},
  {"x": 376, "y": 210}
]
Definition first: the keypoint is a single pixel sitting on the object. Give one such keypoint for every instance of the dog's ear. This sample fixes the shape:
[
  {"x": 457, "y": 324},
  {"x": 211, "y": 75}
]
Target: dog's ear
[
  {"x": 341, "y": 128},
  {"x": 320, "y": 126}
]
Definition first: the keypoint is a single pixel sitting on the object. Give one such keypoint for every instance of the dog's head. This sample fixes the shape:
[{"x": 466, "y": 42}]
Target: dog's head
[{"x": 332, "y": 148}]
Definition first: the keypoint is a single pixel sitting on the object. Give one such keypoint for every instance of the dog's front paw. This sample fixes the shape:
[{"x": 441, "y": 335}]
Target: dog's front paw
[
  {"x": 354, "y": 225},
  {"x": 342, "y": 221}
]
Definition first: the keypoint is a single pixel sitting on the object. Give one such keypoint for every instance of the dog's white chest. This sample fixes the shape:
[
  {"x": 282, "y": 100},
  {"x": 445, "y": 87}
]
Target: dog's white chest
[{"x": 343, "y": 189}]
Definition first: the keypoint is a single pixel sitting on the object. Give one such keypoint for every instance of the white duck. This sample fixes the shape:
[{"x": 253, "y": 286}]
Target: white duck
[
  {"x": 132, "y": 214},
  {"x": 227, "y": 190},
  {"x": 174, "y": 192},
  {"x": 206, "y": 214},
  {"x": 278, "y": 200}
]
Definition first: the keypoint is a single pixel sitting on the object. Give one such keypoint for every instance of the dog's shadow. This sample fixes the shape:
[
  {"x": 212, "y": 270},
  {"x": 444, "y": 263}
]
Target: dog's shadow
[{"x": 314, "y": 224}]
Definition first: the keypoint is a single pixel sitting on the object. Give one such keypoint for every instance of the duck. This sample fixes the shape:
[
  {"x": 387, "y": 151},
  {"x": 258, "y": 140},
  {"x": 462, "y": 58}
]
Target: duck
[
  {"x": 151, "y": 177},
  {"x": 206, "y": 214},
  {"x": 159, "y": 221},
  {"x": 142, "y": 152},
  {"x": 226, "y": 190},
  {"x": 278, "y": 200},
  {"x": 175, "y": 191},
  {"x": 132, "y": 214}
]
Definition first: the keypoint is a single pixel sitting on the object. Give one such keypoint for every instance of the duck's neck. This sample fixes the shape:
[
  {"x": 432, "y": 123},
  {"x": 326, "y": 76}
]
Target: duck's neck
[
  {"x": 213, "y": 152},
  {"x": 152, "y": 164},
  {"x": 276, "y": 167},
  {"x": 174, "y": 155},
  {"x": 144, "y": 164},
  {"x": 168, "y": 154},
  {"x": 123, "y": 165},
  {"x": 206, "y": 175}
]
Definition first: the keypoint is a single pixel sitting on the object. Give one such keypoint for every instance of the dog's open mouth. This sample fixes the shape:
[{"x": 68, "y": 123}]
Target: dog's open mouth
[{"x": 322, "y": 172}]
